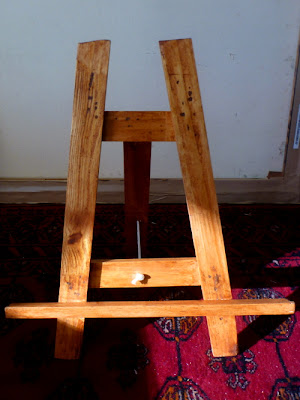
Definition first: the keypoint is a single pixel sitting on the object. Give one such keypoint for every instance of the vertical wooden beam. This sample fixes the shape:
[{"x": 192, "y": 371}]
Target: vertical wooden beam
[
  {"x": 137, "y": 157},
  {"x": 190, "y": 133},
  {"x": 84, "y": 158}
]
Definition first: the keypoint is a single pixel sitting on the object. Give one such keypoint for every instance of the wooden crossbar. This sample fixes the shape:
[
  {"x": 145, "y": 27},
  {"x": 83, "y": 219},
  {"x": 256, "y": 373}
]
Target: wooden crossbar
[
  {"x": 138, "y": 126},
  {"x": 151, "y": 309},
  {"x": 158, "y": 272}
]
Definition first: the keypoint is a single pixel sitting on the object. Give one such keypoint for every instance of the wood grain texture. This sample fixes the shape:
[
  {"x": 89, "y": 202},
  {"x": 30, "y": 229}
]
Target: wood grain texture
[
  {"x": 138, "y": 126},
  {"x": 191, "y": 138},
  {"x": 158, "y": 272},
  {"x": 84, "y": 158},
  {"x": 151, "y": 309},
  {"x": 137, "y": 160}
]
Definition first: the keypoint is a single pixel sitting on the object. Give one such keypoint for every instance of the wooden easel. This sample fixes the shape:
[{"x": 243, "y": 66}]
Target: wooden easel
[{"x": 184, "y": 124}]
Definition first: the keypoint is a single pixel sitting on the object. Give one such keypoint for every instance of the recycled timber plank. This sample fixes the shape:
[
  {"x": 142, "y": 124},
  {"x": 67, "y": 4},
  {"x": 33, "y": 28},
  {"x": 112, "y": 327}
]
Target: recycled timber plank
[
  {"x": 158, "y": 272},
  {"x": 151, "y": 309},
  {"x": 84, "y": 158},
  {"x": 137, "y": 160},
  {"x": 138, "y": 126},
  {"x": 191, "y": 138}
]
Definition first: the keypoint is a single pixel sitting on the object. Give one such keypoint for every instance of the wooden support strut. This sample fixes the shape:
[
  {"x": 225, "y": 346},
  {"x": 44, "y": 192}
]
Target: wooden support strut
[
  {"x": 137, "y": 157},
  {"x": 184, "y": 124},
  {"x": 86, "y": 132},
  {"x": 191, "y": 138}
]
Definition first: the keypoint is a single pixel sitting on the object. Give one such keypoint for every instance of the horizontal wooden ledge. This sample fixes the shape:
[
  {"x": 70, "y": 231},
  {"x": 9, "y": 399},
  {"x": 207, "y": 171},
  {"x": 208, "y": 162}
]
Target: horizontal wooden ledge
[
  {"x": 138, "y": 126},
  {"x": 151, "y": 309},
  {"x": 158, "y": 272}
]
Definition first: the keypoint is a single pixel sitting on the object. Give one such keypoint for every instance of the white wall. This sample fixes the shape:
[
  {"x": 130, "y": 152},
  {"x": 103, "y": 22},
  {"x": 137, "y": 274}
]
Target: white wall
[{"x": 245, "y": 53}]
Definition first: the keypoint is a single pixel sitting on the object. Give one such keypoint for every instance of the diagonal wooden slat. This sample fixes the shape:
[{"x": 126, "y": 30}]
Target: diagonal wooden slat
[
  {"x": 84, "y": 158},
  {"x": 151, "y": 309},
  {"x": 191, "y": 138}
]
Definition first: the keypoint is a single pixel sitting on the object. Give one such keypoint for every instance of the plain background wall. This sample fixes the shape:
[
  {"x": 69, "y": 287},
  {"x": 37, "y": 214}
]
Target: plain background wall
[{"x": 245, "y": 54}]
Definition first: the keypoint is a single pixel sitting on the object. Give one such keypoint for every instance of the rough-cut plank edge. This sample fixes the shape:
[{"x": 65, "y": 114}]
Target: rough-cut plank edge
[
  {"x": 138, "y": 126},
  {"x": 158, "y": 272},
  {"x": 84, "y": 158},
  {"x": 151, "y": 309}
]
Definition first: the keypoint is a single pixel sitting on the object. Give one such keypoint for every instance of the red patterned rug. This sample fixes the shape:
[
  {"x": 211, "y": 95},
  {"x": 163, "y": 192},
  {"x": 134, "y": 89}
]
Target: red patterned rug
[{"x": 166, "y": 358}]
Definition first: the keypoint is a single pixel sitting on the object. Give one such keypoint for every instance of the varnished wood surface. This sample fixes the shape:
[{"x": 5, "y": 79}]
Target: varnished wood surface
[
  {"x": 84, "y": 158},
  {"x": 151, "y": 309},
  {"x": 191, "y": 138},
  {"x": 158, "y": 272}
]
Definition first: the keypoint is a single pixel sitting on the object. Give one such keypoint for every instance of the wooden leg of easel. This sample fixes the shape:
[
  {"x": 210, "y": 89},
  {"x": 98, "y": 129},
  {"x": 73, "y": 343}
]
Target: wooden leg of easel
[
  {"x": 86, "y": 136},
  {"x": 137, "y": 157},
  {"x": 190, "y": 132}
]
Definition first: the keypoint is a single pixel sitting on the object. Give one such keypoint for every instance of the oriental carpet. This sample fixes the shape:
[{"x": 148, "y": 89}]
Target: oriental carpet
[{"x": 165, "y": 358}]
